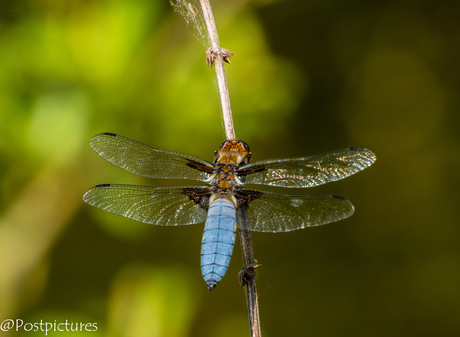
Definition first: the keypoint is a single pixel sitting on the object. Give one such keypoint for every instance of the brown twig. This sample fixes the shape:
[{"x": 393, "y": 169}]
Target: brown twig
[
  {"x": 220, "y": 71},
  {"x": 247, "y": 275}
]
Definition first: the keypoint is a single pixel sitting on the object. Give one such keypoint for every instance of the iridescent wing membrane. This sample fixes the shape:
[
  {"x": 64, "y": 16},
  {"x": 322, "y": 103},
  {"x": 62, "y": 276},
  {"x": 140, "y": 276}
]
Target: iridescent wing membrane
[
  {"x": 308, "y": 171},
  {"x": 164, "y": 206},
  {"x": 278, "y": 212},
  {"x": 182, "y": 205},
  {"x": 149, "y": 162}
]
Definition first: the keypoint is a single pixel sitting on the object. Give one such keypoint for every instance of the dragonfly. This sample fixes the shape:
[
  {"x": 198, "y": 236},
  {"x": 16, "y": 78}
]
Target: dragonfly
[{"x": 223, "y": 191}]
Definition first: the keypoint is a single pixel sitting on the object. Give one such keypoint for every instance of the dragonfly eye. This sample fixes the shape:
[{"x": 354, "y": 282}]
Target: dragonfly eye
[
  {"x": 243, "y": 145},
  {"x": 236, "y": 149},
  {"x": 224, "y": 145}
]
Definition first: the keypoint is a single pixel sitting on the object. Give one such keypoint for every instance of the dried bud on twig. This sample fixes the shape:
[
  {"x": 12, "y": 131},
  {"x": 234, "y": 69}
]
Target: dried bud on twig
[{"x": 211, "y": 55}]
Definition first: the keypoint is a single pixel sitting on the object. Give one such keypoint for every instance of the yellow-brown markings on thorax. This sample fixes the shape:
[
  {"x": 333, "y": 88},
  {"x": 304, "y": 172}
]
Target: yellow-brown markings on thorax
[{"x": 231, "y": 154}]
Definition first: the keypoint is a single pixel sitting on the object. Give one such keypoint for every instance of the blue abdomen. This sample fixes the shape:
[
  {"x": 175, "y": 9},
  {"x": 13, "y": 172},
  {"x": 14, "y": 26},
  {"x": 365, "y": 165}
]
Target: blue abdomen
[{"x": 218, "y": 241}]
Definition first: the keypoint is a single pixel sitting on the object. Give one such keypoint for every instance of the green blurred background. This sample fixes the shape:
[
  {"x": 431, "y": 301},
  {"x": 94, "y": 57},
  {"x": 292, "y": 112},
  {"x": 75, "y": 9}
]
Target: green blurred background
[{"x": 307, "y": 77}]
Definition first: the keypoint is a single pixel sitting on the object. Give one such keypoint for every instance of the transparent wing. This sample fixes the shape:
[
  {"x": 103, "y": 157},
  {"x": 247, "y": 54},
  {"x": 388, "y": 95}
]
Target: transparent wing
[
  {"x": 163, "y": 206},
  {"x": 149, "y": 162},
  {"x": 276, "y": 212},
  {"x": 308, "y": 171}
]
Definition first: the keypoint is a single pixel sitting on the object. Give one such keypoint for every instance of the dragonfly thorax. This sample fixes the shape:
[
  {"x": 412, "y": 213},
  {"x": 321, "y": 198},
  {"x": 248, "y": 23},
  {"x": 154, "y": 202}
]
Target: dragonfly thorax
[{"x": 224, "y": 183}]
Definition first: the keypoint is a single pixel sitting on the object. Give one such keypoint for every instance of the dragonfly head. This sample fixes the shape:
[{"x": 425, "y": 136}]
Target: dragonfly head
[{"x": 233, "y": 152}]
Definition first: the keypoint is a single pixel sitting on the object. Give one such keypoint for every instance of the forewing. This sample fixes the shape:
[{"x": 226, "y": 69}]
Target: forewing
[
  {"x": 308, "y": 171},
  {"x": 276, "y": 212},
  {"x": 163, "y": 206},
  {"x": 147, "y": 161}
]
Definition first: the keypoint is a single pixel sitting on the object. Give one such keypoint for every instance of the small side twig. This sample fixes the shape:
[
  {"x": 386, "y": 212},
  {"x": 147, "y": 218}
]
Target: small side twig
[{"x": 218, "y": 57}]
